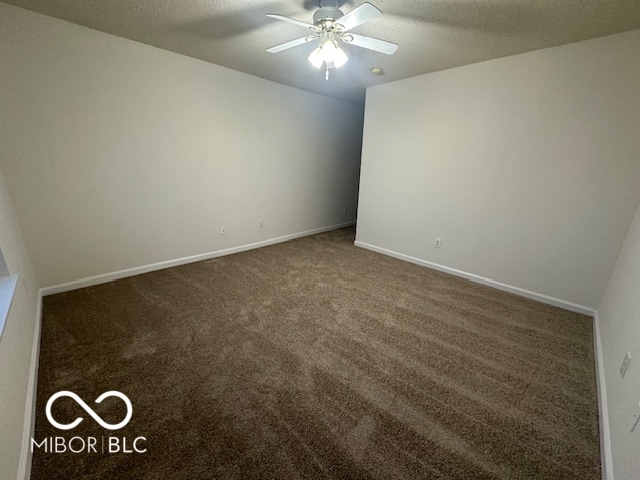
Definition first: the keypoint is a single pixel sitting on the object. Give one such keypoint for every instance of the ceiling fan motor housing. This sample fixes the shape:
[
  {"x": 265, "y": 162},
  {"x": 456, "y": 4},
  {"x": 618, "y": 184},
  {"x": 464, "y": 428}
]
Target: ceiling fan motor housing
[{"x": 324, "y": 13}]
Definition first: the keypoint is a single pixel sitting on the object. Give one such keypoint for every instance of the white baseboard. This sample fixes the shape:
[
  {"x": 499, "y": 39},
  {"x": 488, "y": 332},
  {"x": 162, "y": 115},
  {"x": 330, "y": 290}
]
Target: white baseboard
[
  {"x": 24, "y": 467},
  {"x": 605, "y": 438},
  {"x": 108, "y": 277},
  {"x": 556, "y": 302}
]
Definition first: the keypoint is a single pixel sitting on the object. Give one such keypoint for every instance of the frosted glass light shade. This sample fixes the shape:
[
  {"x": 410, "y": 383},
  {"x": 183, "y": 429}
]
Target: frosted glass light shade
[
  {"x": 316, "y": 58},
  {"x": 328, "y": 53}
]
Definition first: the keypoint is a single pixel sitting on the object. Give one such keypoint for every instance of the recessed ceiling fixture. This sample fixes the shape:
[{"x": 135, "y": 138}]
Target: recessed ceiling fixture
[
  {"x": 377, "y": 70},
  {"x": 330, "y": 26}
]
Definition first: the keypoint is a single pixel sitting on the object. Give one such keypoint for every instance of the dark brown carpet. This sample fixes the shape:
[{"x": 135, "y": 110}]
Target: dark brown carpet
[{"x": 315, "y": 359}]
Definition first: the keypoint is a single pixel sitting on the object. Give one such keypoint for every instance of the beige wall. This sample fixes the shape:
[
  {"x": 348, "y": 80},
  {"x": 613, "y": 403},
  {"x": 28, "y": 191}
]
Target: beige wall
[
  {"x": 619, "y": 319},
  {"x": 527, "y": 167},
  {"x": 16, "y": 342},
  {"x": 119, "y": 155}
]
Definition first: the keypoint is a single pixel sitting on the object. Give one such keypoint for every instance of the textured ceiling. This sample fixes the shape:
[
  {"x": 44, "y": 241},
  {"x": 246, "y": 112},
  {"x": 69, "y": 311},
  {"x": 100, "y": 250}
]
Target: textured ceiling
[{"x": 433, "y": 34}]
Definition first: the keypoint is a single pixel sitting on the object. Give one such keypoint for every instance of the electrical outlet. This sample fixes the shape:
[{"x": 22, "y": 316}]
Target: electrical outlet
[
  {"x": 437, "y": 243},
  {"x": 223, "y": 230},
  {"x": 260, "y": 223},
  {"x": 625, "y": 364}
]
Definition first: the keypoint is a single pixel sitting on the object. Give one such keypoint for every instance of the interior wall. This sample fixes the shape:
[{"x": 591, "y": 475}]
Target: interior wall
[
  {"x": 619, "y": 318},
  {"x": 526, "y": 167},
  {"x": 16, "y": 342},
  {"x": 120, "y": 155}
]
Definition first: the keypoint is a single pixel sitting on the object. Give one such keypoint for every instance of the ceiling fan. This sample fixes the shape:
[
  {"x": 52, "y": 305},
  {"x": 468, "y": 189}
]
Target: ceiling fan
[{"x": 331, "y": 27}]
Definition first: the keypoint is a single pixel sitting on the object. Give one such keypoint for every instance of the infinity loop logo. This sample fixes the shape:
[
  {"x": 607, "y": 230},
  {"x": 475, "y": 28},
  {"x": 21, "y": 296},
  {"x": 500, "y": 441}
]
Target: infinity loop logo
[{"x": 87, "y": 408}]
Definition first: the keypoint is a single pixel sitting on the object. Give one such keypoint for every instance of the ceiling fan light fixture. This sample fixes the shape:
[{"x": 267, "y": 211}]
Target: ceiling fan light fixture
[
  {"x": 334, "y": 54},
  {"x": 330, "y": 53}
]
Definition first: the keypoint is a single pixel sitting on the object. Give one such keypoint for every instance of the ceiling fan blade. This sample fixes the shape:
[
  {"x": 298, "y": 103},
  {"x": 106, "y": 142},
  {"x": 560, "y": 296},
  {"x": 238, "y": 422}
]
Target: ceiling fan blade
[
  {"x": 381, "y": 46},
  {"x": 291, "y": 44},
  {"x": 293, "y": 20},
  {"x": 358, "y": 16}
]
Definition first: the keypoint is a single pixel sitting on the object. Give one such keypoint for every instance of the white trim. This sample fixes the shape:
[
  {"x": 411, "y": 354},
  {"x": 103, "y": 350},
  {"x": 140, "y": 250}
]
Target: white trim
[
  {"x": 24, "y": 467},
  {"x": 108, "y": 277},
  {"x": 606, "y": 459},
  {"x": 556, "y": 302}
]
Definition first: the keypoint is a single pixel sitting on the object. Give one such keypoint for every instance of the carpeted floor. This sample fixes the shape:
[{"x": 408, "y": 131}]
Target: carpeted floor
[{"x": 315, "y": 359}]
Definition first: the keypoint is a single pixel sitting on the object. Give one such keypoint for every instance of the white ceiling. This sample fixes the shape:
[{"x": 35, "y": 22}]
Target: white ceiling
[{"x": 433, "y": 34}]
